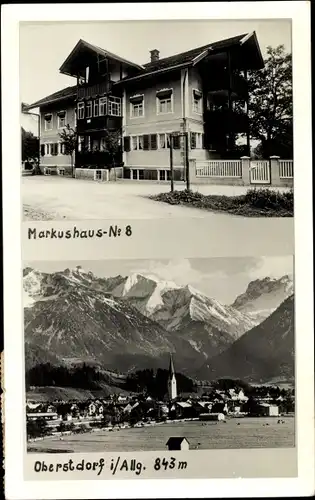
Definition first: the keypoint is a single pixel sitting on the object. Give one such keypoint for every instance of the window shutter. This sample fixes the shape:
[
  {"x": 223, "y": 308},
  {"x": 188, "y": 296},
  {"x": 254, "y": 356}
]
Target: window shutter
[
  {"x": 127, "y": 143},
  {"x": 42, "y": 149},
  {"x": 153, "y": 141},
  {"x": 55, "y": 149},
  {"x": 193, "y": 140},
  {"x": 203, "y": 141},
  {"x": 146, "y": 142},
  {"x": 176, "y": 142}
]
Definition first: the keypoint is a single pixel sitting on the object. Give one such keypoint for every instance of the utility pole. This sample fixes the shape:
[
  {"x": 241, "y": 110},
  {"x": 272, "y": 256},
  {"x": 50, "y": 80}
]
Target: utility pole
[{"x": 171, "y": 163}]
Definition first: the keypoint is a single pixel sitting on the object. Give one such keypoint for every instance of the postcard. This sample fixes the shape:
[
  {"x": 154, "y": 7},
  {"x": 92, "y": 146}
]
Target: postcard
[{"x": 157, "y": 251}]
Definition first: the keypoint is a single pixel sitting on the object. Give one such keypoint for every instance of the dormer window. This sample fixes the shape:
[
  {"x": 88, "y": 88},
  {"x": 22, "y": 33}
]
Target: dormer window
[
  {"x": 48, "y": 121},
  {"x": 164, "y": 101},
  {"x": 61, "y": 119},
  {"x": 197, "y": 101}
]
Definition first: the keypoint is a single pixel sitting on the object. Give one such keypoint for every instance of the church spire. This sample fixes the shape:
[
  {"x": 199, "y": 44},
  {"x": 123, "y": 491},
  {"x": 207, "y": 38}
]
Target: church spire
[
  {"x": 172, "y": 384},
  {"x": 171, "y": 368}
]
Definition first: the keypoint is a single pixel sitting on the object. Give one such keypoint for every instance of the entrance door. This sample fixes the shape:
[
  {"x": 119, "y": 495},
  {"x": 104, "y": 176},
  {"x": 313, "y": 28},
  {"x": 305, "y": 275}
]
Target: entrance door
[{"x": 260, "y": 172}]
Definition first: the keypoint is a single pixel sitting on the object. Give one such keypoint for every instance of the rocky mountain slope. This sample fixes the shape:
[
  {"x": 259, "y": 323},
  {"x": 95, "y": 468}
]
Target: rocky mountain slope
[
  {"x": 134, "y": 322},
  {"x": 263, "y": 296},
  {"x": 261, "y": 354}
]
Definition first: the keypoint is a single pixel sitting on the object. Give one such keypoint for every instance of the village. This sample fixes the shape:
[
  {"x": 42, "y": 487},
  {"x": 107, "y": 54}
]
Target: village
[{"x": 120, "y": 411}]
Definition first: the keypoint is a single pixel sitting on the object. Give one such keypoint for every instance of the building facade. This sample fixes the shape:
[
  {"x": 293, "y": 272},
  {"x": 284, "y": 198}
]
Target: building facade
[{"x": 193, "y": 104}]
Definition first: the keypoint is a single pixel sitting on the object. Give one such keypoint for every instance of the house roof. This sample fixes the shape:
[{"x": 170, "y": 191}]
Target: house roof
[
  {"x": 247, "y": 44},
  {"x": 176, "y": 440},
  {"x": 83, "y": 46},
  {"x": 60, "y": 95},
  {"x": 193, "y": 56}
]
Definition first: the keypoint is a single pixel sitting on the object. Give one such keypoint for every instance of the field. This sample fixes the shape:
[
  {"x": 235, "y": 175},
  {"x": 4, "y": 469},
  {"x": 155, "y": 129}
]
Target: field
[{"x": 235, "y": 433}]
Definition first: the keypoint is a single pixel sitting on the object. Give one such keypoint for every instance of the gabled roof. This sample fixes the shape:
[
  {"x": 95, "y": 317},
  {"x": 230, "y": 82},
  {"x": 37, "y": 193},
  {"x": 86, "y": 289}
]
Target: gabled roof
[
  {"x": 176, "y": 440},
  {"x": 83, "y": 45},
  {"x": 194, "y": 56},
  {"x": 190, "y": 55},
  {"x": 60, "y": 95}
]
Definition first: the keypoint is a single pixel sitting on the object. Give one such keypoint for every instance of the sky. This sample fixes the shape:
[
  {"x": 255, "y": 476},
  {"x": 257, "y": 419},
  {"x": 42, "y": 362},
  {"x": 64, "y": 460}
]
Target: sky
[
  {"x": 220, "y": 278},
  {"x": 44, "y": 46}
]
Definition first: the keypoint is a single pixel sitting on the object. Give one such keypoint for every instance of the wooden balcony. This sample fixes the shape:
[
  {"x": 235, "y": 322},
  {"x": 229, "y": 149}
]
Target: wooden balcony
[
  {"x": 223, "y": 82},
  {"x": 96, "y": 159},
  {"x": 98, "y": 89},
  {"x": 225, "y": 121}
]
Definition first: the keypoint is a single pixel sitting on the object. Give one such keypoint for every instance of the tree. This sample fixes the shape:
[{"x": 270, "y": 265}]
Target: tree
[
  {"x": 113, "y": 147},
  {"x": 270, "y": 104},
  {"x": 68, "y": 138},
  {"x": 30, "y": 146},
  {"x": 36, "y": 428}
]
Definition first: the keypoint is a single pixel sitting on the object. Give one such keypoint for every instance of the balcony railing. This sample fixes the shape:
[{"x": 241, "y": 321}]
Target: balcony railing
[
  {"x": 226, "y": 120},
  {"x": 96, "y": 158},
  {"x": 98, "y": 89},
  {"x": 223, "y": 81}
]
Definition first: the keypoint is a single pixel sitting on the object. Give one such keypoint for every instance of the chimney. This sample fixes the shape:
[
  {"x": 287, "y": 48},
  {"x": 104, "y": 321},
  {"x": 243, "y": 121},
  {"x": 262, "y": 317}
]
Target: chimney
[{"x": 155, "y": 55}]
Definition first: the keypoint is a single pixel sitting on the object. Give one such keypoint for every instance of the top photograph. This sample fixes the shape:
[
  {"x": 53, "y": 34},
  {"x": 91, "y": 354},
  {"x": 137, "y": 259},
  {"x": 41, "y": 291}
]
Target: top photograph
[{"x": 156, "y": 119}]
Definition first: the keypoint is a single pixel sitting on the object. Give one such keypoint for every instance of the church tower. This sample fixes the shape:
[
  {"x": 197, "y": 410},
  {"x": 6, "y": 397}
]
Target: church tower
[{"x": 171, "y": 383}]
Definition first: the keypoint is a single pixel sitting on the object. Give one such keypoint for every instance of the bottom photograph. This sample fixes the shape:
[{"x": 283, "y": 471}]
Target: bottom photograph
[{"x": 145, "y": 355}]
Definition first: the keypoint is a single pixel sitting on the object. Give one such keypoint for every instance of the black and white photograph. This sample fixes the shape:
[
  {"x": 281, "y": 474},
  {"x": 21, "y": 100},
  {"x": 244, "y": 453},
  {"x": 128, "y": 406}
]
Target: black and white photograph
[
  {"x": 158, "y": 311},
  {"x": 143, "y": 355},
  {"x": 185, "y": 126}
]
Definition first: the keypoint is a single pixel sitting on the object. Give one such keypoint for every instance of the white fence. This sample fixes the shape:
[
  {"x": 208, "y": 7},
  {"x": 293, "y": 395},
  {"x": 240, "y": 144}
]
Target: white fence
[
  {"x": 219, "y": 168},
  {"x": 286, "y": 169},
  {"x": 260, "y": 172}
]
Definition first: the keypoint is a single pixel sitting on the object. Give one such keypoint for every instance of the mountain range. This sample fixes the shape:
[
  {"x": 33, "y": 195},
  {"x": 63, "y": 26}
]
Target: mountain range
[{"x": 124, "y": 323}]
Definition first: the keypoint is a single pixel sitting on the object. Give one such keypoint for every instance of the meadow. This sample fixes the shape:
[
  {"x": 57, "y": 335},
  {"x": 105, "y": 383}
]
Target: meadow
[{"x": 234, "y": 433}]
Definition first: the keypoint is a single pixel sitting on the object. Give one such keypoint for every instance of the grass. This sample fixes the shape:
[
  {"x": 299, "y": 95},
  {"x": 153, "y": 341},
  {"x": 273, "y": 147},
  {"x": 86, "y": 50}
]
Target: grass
[
  {"x": 255, "y": 203},
  {"x": 235, "y": 433}
]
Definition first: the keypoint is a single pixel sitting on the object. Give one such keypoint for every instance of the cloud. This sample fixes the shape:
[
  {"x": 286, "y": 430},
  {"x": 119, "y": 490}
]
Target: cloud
[
  {"x": 178, "y": 270},
  {"x": 274, "y": 267}
]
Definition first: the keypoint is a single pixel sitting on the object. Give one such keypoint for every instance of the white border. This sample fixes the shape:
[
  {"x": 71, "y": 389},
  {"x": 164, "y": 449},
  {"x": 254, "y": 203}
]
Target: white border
[{"x": 16, "y": 487}]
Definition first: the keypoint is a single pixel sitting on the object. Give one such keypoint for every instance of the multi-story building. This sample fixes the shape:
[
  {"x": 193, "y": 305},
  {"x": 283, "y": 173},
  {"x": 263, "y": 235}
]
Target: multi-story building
[{"x": 201, "y": 94}]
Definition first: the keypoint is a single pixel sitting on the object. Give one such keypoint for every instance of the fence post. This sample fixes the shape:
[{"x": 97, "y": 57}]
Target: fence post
[
  {"x": 245, "y": 170},
  {"x": 192, "y": 170},
  {"x": 275, "y": 170}
]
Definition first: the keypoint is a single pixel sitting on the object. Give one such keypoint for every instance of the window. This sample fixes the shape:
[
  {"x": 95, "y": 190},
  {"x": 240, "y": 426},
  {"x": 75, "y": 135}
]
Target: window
[
  {"x": 137, "y": 142},
  {"x": 89, "y": 109},
  {"x": 102, "y": 106},
  {"x": 164, "y": 101},
  {"x": 114, "y": 106},
  {"x": 136, "y": 106},
  {"x": 162, "y": 175},
  {"x": 80, "y": 110},
  {"x": 103, "y": 144},
  {"x": 61, "y": 119},
  {"x": 96, "y": 108},
  {"x": 62, "y": 148},
  {"x": 164, "y": 141},
  {"x": 80, "y": 142},
  {"x": 197, "y": 101},
  {"x": 48, "y": 121},
  {"x": 196, "y": 140},
  {"x": 141, "y": 174}
]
